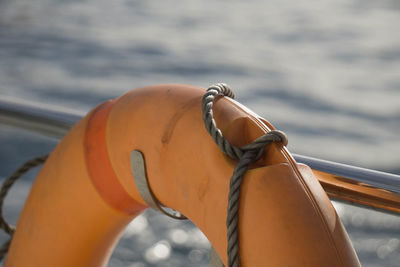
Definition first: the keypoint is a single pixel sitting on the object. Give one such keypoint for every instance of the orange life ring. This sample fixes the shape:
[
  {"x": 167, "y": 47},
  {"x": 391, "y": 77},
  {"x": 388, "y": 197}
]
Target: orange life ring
[{"x": 85, "y": 193}]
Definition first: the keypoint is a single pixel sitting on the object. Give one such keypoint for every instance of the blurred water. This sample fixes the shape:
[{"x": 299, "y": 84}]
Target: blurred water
[{"x": 327, "y": 73}]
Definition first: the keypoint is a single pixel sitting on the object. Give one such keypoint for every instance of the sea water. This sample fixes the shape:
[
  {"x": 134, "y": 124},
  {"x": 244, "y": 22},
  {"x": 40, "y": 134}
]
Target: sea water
[{"x": 327, "y": 73}]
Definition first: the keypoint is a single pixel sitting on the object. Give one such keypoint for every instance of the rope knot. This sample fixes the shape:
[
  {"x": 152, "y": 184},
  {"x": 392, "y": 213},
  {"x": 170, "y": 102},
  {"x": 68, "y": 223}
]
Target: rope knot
[{"x": 261, "y": 142}]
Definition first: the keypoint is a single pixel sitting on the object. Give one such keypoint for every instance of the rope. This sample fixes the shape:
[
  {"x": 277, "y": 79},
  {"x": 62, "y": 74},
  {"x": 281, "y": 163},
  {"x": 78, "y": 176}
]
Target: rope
[
  {"x": 245, "y": 156},
  {"x": 6, "y": 186}
]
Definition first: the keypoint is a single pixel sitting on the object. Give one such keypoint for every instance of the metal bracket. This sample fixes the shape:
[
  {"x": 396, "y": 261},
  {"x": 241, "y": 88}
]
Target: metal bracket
[{"x": 142, "y": 184}]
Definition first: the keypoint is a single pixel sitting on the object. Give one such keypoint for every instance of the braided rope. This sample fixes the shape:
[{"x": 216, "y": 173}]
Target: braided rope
[
  {"x": 6, "y": 186},
  {"x": 246, "y": 155}
]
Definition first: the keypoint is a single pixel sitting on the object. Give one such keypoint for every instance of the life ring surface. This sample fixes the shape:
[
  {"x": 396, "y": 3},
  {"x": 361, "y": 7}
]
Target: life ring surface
[{"x": 85, "y": 193}]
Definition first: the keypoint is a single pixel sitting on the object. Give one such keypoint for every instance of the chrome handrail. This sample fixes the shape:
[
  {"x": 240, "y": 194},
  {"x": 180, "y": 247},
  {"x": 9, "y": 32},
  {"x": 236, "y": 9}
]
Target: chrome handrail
[
  {"x": 38, "y": 117},
  {"x": 354, "y": 184}
]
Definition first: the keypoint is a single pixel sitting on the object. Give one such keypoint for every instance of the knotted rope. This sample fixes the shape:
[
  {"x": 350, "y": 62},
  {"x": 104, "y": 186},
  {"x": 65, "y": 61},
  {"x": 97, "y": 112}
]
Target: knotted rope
[
  {"x": 245, "y": 155},
  {"x": 7, "y": 184}
]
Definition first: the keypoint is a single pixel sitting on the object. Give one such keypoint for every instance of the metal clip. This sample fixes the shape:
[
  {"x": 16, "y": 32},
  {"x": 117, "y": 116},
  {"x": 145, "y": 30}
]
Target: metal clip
[{"x": 142, "y": 184}]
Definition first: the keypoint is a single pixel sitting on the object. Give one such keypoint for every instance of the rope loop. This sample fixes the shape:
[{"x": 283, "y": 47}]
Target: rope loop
[
  {"x": 245, "y": 155},
  {"x": 221, "y": 89}
]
